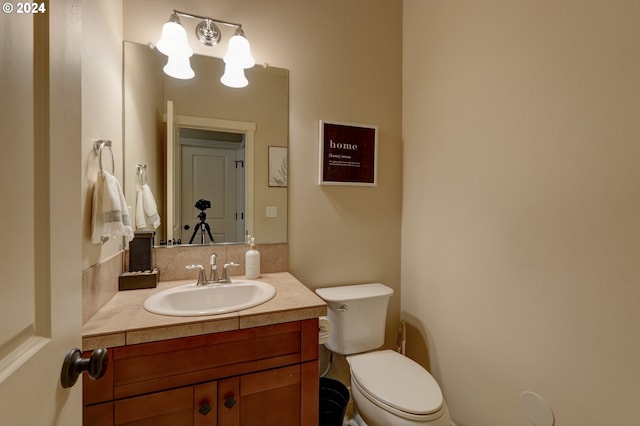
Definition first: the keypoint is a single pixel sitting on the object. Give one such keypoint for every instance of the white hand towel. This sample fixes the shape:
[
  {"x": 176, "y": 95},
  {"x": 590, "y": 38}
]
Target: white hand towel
[
  {"x": 110, "y": 216},
  {"x": 146, "y": 207},
  {"x": 150, "y": 207},
  {"x": 141, "y": 222}
]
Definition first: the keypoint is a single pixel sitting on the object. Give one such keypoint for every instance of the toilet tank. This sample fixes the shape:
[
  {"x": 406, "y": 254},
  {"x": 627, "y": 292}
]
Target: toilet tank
[{"x": 358, "y": 314}]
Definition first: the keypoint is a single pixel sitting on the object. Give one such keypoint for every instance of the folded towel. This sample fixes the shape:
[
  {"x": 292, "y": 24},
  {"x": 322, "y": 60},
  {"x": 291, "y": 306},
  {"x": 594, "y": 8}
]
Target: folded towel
[
  {"x": 146, "y": 207},
  {"x": 150, "y": 207},
  {"x": 110, "y": 216},
  {"x": 141, "y": 221}
]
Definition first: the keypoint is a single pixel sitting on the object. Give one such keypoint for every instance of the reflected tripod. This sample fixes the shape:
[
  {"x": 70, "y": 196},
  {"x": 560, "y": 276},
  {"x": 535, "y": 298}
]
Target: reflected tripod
[{"x": 202, "y": 226}]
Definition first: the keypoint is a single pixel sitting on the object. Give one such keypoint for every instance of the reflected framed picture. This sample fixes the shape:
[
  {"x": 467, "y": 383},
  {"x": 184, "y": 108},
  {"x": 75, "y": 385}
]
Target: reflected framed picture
[
  {"x": 348, "y": 154},
  {"x": 278, "y": 166}
]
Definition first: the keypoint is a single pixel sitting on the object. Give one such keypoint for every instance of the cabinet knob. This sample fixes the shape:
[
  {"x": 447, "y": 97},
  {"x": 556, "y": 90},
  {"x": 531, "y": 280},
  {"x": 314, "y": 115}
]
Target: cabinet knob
[
  {"x": 204, "y": 408},
  {"x": 229, "y": 401}
]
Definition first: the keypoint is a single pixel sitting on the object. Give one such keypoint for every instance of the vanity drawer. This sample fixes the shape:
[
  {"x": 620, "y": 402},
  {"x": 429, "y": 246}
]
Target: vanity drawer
[
  {"x": 151, "y": 367},
  {"x": 161, "y": 365}
]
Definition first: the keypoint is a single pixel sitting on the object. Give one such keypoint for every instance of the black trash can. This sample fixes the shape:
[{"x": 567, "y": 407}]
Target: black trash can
[{"x": 334, "y": 397}]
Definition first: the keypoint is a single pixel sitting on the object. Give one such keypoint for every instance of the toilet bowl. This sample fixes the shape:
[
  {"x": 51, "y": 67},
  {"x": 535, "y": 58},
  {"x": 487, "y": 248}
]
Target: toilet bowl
[
  {"x": 387, "y": 387},
  {"x": 391, "y": 389}
]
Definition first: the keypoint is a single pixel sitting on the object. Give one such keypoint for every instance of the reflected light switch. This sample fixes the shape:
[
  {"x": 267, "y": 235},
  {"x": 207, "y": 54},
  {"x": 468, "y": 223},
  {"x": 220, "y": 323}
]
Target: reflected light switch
[{"x": 272, "y": 212}]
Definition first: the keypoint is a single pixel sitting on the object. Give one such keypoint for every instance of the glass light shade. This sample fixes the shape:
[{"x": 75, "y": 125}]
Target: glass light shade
[
  {"x": 234, "y": 76},
  {"x": 174, "y": 40},
  {"x": 239, "y": 52},
  {"x": 179, "y": 67}
]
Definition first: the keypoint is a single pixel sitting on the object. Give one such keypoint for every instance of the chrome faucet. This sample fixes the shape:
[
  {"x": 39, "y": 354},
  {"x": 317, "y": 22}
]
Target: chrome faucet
[
  {"x": 213, "y": 263},
  {"x": 225, "y": 276},
  {"x": 202, "y": 279}
]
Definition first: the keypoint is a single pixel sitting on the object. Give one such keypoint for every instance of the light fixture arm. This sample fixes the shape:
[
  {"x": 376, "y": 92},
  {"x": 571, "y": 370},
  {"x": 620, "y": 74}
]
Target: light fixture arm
[{"x": 206, "y": 18}]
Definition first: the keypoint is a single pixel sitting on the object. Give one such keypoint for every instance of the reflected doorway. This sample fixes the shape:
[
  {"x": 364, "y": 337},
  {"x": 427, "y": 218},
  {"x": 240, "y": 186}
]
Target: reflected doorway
[{"x": 212, "y": 169}]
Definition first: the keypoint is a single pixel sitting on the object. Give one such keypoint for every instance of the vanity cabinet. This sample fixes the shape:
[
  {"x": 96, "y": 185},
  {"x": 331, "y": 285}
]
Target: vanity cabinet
[{"x": 258, "y": 376}]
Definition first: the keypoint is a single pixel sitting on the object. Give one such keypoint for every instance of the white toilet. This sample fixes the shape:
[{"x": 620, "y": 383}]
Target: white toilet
[{"x": 387, "y": 387}]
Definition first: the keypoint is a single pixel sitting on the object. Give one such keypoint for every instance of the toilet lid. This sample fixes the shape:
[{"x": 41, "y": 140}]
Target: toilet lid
[{"x": 397, "y": 381}]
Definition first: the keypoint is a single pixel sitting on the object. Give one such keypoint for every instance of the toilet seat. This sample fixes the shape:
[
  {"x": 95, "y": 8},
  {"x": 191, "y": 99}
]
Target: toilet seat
[{"x": 397, "y": 384}]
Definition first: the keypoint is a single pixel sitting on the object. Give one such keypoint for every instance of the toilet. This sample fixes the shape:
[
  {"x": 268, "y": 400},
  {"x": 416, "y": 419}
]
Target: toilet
[{"x": 387, "y": 387}]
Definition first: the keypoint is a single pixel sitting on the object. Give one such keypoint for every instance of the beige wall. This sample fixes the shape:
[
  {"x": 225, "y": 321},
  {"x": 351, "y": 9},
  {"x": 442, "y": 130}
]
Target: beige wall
[
  {"x": 341, "y": 68},
  {"x": 101, "y": 108},
  {"x": 521, "y": 212}
]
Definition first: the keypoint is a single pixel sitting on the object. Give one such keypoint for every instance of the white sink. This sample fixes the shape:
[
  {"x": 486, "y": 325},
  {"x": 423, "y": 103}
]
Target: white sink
[{"x": 210, "y": 299}]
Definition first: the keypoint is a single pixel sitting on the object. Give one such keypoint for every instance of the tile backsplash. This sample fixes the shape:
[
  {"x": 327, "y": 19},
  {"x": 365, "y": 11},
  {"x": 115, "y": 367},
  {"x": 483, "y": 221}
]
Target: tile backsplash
[
  {"x": 100, "y": 282},
  {"x": 172, "y": 261}
]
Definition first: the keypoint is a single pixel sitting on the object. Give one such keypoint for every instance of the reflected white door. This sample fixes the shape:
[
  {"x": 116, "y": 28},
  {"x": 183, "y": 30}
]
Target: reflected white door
[
  {"x": 210, "y": 174},
  {"x": 40, "y": 263}
]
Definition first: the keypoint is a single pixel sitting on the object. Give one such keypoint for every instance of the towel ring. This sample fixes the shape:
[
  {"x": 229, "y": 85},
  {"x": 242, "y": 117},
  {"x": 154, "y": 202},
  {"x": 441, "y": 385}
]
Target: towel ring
[
  {"x": 142, "y": 174},
  {"x": 98, "y": 147}
]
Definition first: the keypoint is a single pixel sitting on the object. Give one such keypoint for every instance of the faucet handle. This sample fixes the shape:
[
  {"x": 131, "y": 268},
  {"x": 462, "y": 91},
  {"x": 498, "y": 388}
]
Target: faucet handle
[
  {"x": 202, "y": 280},
  {"x": 225, "y": 274},
  {"x": 230, "y": 264}
]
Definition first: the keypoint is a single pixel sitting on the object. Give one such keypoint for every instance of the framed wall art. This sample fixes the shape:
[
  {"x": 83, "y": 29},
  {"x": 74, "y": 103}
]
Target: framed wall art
[
  {"x": 348, "y": 154},
  {"x": 278, "y": 168}
]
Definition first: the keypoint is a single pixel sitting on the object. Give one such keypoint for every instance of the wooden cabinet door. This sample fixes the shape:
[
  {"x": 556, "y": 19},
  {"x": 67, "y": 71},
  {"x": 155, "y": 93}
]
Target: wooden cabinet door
[
  {"x": 205, "y": 404},
  {"x": 191, "y": 405},
  {"x": 170, "y": 408},
  {"x": 228, "y": 398},
  {"x": 98, "y": 415},
  {"x": 271, "y": 398}
]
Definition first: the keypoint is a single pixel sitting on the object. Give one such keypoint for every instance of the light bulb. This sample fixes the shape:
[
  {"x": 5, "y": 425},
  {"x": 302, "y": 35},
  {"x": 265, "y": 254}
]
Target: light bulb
[
  {"x": 239, "y": 52},
  {"x": 234, "y": 76},
  {"x": 174, "y": 39},
  {"x": 179, "y": 67}
]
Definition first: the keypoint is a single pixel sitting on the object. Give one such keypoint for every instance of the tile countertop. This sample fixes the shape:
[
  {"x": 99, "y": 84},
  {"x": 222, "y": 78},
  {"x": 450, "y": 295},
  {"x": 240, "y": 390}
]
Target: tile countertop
[{"x": 124, "y": 321}]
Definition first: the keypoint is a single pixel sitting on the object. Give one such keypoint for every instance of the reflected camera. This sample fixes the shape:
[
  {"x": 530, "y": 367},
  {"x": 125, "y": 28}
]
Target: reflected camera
[{"x": 203, "y": 204}]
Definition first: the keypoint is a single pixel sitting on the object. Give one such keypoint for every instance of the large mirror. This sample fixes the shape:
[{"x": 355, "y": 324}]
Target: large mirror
[{"x": 193, "y": 140}]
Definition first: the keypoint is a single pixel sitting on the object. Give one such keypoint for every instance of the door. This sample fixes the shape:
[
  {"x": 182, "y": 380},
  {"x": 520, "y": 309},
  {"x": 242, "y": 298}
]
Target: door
[
  {"x": 211, "y": 174},
  {"x": 41, "y": 259}
]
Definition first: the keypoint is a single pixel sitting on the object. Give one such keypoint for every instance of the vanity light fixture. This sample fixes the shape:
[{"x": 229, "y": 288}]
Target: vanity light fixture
[{"x": 174, "y": 44}]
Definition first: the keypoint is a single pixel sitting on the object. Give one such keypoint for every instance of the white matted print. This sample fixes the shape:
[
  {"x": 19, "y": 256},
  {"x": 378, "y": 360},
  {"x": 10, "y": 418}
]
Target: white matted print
[{"x": 278, "y": 166}]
